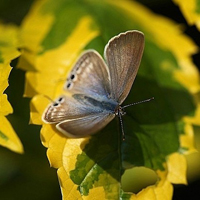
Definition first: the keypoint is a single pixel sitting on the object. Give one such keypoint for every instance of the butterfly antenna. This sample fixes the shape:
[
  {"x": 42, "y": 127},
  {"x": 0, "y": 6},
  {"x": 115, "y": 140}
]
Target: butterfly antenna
[
  {"x": 139, "y": 102},
  {"x": 121, "y": 124}
]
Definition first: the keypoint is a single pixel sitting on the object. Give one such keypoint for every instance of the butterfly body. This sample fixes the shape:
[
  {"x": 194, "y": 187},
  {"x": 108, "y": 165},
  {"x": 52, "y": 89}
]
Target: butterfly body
[{"x": 97, "y": 88}]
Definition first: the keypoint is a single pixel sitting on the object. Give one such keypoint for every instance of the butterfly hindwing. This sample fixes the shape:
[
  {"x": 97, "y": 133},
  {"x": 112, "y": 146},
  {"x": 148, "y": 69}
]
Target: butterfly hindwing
[
  {"x": 66, "y": 107},
  {"x": 84, "y": 126},
  {"x": 78, "y": 115}
]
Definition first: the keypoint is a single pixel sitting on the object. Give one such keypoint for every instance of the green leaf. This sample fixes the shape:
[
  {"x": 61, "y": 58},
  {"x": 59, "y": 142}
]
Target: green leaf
[{"x": 152, "y": 130}]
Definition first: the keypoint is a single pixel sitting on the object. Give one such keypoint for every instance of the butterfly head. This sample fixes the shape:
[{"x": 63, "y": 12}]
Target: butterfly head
[{"x": 119, "y": 111}]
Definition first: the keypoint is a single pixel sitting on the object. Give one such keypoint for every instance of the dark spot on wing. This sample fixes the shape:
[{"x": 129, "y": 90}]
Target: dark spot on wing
[
  {"x": 72, "y": 76},
  {"x": 68, "y": 85},
  {"x": 55, "y": 104},
  {"x": 60, "y": 99}
]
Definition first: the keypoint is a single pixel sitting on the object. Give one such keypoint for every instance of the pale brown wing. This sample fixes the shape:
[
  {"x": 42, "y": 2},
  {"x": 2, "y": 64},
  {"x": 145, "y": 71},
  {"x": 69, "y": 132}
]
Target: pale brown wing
[
  {"x": 123, "y": 54},
  {"x": 66, "y": 107},
  {"x": 89, "y": 76},
  {"x": 79, "y": 115},
  {"x": 87, "y": 125}
]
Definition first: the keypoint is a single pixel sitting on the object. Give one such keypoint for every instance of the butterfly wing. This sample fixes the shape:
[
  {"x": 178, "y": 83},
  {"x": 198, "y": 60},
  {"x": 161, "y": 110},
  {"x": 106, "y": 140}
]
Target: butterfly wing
[
  {"x": 123, "y": 54},
  {"x": 65, "y": 107},
  {"x": 97, "y": 89},
  {"x": 89, "y": 108},
  {"x": 77, "y": 116},
  {"x": 84, "y": 126},
  {"x": 89, "y": 76}
]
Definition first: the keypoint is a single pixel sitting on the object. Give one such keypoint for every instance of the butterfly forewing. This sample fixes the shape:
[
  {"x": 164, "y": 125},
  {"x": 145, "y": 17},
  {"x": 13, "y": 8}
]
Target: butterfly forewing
[
  {"x": 89, "y": 76},
  {"x": 123, "y": 54}
]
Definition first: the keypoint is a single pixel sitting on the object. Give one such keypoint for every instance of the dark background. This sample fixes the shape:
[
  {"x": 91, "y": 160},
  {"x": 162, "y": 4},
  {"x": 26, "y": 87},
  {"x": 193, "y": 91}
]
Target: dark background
[{"x": 29, "y": 174}]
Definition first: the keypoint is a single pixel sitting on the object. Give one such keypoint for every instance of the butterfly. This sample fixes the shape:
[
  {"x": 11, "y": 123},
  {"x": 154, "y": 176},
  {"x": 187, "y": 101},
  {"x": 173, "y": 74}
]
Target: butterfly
[{"x": 97, "y": 87}]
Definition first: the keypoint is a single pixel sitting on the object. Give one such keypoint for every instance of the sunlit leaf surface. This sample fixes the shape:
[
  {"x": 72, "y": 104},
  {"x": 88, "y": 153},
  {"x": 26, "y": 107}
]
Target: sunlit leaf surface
[
  {"x": 54, "y": 34},
  {"x": 8, "y": 52},
  {"x": 190, "y": 10}
]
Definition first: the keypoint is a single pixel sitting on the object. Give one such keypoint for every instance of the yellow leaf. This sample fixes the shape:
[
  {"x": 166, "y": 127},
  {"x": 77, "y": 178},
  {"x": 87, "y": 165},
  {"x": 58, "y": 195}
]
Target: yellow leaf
[
  {"x": 177, "y": 165},
  {"x": 5, "y": 71},
  {"x": 175, "y": 172},
  {"x": 9, "y": 41},
  {"x": 96, "y": 194},
  {"x": 8, "y": 137},
  {"x": 137, "y": 178},
  {"x": 162, "y": 191},
  {"x": 68, "y": 188},
  {"x": 190, "y": 11},
  {"x": 47, "y": 71},
  {"x": 5, "y": 107},
  {"x": 187, "y": 139},
  {"x": 8, "y": 52},
  {"x": 37, "y": 106},
  {"x": 32, "y": 34},
  {"x": 49, "y": 80}
]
